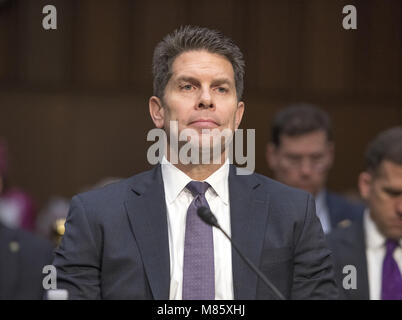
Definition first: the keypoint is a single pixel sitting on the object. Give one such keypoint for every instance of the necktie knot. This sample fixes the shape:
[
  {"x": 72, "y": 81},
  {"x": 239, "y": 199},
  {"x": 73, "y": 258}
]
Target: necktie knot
[
  {"x": 391, "y": 246},
  {"x": 197, "y": 187}
]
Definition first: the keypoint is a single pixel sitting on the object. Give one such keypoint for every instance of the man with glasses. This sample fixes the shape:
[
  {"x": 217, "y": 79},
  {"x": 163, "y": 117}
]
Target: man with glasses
[{"x": 301, "y": 153}]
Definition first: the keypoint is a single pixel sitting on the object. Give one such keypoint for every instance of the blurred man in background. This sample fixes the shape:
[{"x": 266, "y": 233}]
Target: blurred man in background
[
  {"x": 301, "y": 153},
  {"x": 22, "y": 258},
  {"x": 22, "y": 254},
  {"x": 17, "y": 209},
  {"x": 373, "y": 244}
]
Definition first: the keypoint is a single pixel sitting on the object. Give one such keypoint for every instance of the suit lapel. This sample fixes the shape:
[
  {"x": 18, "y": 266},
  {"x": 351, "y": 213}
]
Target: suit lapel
[
  {"x": 355, "y": 254},
  {"x": 332, "y": 210},
  {"x": 248, "y": 212},
  {"x": 147, "y": 215}
]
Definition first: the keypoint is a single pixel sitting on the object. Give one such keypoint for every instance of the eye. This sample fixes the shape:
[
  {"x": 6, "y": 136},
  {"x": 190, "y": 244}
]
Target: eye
[
  {"x": 186, "y": 87},
  {"x": 222, "y": 90},
  {"x": 317, "y": 157},
  {"x": 393, "y": 193},
  {"x": 294, "y": 158}
]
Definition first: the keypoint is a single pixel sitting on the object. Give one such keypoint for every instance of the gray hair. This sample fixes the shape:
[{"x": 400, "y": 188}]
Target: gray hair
[{"x": 187, "y": 38}]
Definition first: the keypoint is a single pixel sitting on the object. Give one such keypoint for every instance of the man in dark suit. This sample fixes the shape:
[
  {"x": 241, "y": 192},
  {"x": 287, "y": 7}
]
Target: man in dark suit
[
  {"x": 22, "y": 258},
  {"x": 300, "y": 154},
  {"x": 141, "y": 238},
  {"x": 372, "y": 245}
]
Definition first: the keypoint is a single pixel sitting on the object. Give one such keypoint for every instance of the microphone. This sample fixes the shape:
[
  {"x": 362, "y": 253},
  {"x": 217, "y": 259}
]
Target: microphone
[{"x": 209, "y": 218}]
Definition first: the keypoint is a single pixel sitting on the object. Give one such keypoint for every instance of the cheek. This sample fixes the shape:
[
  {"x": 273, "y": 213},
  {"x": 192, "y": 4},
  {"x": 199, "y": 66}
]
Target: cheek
[
  {"x": 379, "y": 206},
  {"x": 287, "y": 173},
  {"x": 321, "y": 175}
]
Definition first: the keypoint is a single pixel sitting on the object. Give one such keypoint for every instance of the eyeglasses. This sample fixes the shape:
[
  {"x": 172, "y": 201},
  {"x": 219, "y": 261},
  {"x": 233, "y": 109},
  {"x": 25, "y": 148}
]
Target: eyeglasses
[{"x": 316, "y": 162}]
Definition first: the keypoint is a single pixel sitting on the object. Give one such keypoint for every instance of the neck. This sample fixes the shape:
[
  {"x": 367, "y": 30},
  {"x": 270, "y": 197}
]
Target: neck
[{"x": 199, "y": 172}]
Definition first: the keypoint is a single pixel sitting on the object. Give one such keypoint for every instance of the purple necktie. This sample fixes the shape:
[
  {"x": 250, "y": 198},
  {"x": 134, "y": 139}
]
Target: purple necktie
[
  {"x": 198, "y": 261},
  {"x": 391, "y": 275}
]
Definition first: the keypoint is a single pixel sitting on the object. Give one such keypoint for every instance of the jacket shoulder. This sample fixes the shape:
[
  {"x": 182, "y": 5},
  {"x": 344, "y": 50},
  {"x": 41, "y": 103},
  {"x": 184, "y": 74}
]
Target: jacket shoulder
[
  {"x": 344, "y": 236},
  {"x": 341, "y": 202},
  {"x": 28, "y": 243},
  {"x": 115, "y": 192},
  {"x": 281, "y": 190}
]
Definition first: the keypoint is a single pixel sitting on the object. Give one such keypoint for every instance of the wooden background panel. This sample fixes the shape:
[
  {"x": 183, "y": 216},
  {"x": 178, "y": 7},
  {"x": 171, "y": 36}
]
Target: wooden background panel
[
  {"x": 115, "y": 144},
  {"x": 8, "y": 43},
  {"x": 386, "y": 47},
  {"x": 101, "y": 37},
  {"x": 44, "y": 55},
  {"x": 378, "y": 53},
  {"x": 39, "y": 142},
  {"x": 278, "y": 47},
  {"x": 326, "y": 47},
  {"x": 73, "y": 102},
  {"x": 151, "y": 21}
]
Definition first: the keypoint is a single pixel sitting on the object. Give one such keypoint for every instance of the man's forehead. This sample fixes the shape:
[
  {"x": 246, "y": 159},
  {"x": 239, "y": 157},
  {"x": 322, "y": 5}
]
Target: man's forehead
[
  {"x": 390, "y": 171},
  {"x": 197, "y": 62},
  {"x": 311, "y": 140}
]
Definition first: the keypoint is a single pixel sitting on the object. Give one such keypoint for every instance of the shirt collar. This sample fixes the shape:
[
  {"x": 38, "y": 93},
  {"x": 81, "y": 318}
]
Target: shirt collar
[
  {"x": 320, "y": 199},
  {"x": 176, "y": 180},
  {"x": 219, "y": 182},
  {"x": 374, "y": 238}
]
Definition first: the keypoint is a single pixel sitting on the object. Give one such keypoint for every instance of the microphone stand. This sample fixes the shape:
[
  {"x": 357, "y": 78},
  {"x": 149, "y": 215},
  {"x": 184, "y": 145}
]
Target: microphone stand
[{"x": 208, "y": 217}]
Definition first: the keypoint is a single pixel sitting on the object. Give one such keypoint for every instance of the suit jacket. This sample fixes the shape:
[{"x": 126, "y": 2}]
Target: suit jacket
[
  {"x": 349, "y": 248},
  {"x": 341, "y": 210},
  {"x": 22, "y": 258},
  {"x": 116, "y": 241}
]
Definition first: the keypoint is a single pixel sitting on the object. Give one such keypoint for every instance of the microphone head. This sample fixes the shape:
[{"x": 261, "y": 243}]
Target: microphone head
[{"x": 207, "y": 216}]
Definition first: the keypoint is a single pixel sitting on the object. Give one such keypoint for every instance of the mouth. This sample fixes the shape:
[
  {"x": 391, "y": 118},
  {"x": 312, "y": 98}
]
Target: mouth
[{"x": 204, "y": 124}]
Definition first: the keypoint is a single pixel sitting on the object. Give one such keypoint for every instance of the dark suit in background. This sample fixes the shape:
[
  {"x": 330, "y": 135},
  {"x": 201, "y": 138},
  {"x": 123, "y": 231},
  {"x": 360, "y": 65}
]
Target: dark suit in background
[
  {"x": 349, "y": 248},
  {"x": 116, "y": 242},
  {"x": 341, "y": 211},
  {"x": 22, "y": 258}
]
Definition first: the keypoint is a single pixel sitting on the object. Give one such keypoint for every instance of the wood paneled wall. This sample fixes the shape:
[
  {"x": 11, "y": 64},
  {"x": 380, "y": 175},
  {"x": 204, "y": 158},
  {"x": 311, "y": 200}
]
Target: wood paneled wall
[{"x": 73, "y": 101}]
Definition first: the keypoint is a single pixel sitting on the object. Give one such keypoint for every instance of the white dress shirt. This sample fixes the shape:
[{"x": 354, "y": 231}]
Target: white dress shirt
[
  {"x": 375, "y": 253},
  {"x": 178, "y": 199},
  {"x": 322, "y": 211}
]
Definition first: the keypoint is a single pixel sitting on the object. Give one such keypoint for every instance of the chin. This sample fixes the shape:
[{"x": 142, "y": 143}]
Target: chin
[
  {"x": 395, "y": 234},
  {"x": 307, "y": 189}
]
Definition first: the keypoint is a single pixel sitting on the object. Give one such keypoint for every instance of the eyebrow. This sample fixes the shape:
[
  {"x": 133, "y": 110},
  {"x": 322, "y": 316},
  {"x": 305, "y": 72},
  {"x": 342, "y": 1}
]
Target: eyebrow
[
  {"x": 220, "y": 81},
  {"x": 392, "y": 190},
  {"x": 187, "y": 79},
  {"x": 215, "y": 82}
]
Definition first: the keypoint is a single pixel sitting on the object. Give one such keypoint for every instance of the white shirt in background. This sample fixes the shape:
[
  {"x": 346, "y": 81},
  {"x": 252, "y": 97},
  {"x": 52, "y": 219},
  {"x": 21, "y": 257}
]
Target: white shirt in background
[
  {"x": 375, "y": 253},
  {"x": 322, "y": 211}
]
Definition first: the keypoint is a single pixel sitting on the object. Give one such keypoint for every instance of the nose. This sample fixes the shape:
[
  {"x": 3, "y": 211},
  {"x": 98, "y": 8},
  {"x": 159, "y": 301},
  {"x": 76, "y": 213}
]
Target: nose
[
  {"x": 205, "y": 101},
  {"x": 305, "y": 167}
]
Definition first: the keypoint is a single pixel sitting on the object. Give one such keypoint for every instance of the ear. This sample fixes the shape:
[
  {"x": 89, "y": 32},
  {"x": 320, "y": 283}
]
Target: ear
[
  {"x": 331, "y": 153},
  {"x": 156, "y": 111},
  {"x": 271, "y": 156},
  {"x": 239, "y": 114},
  {"x": 364, "y": 183}
]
